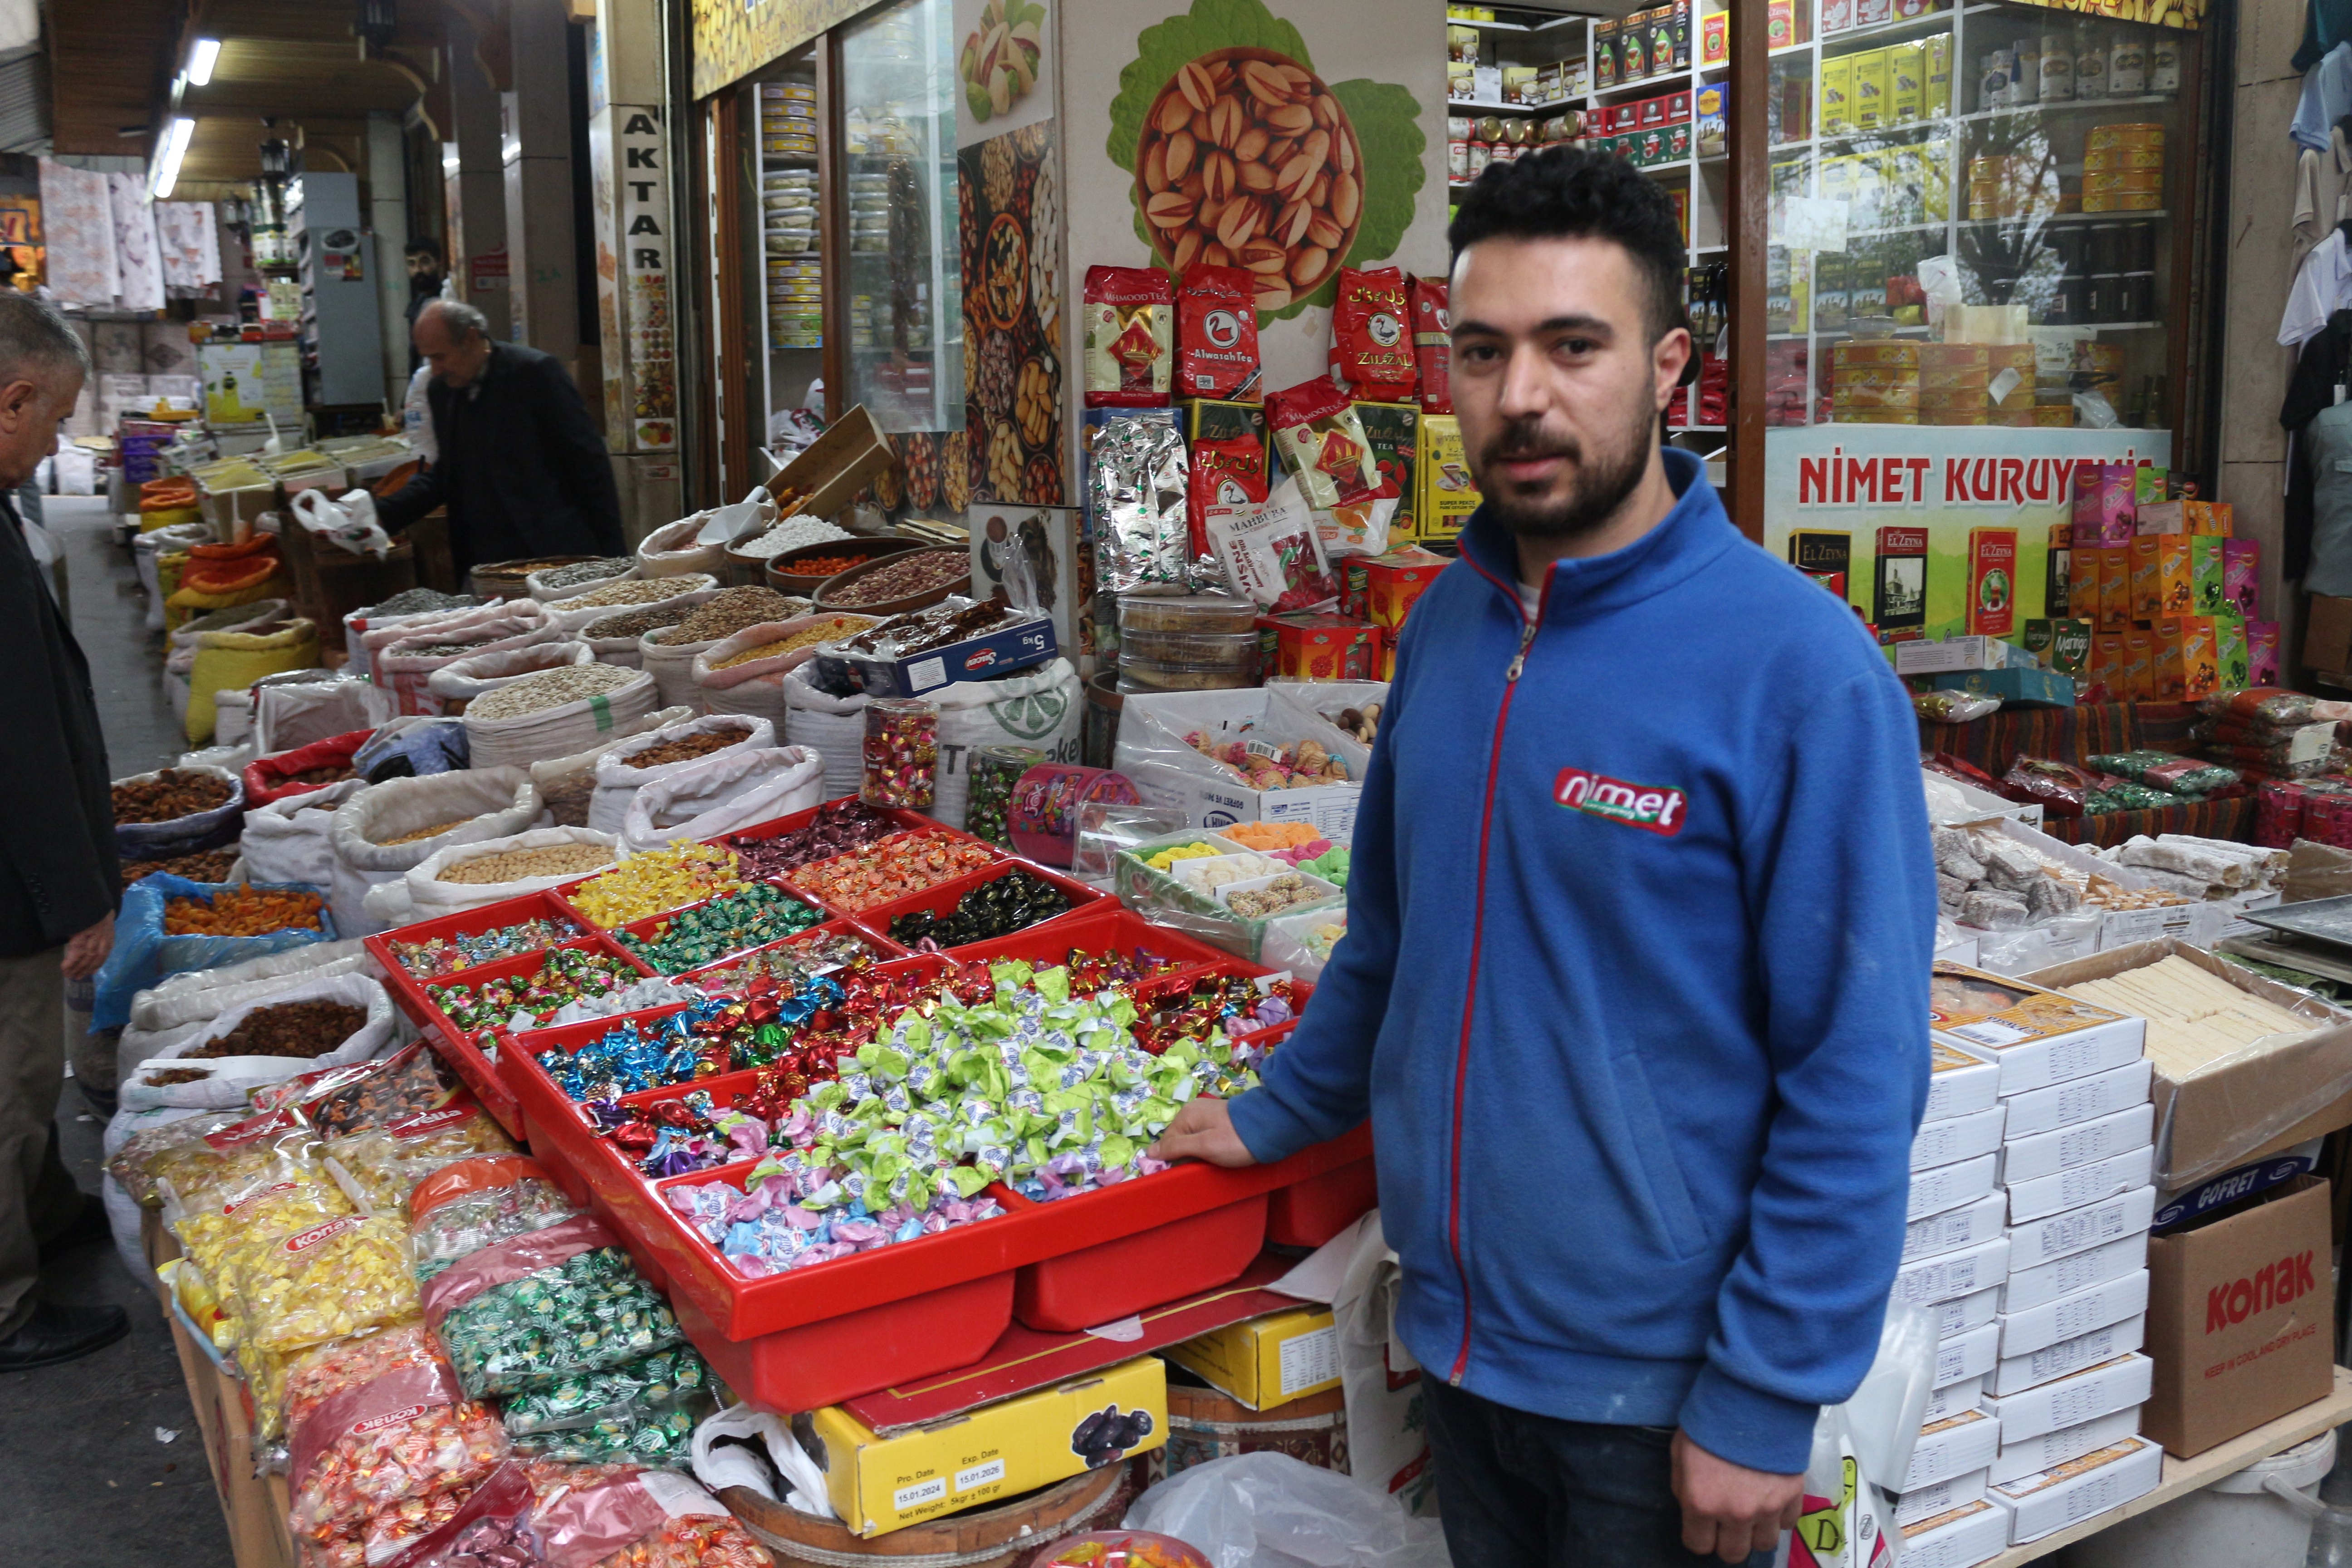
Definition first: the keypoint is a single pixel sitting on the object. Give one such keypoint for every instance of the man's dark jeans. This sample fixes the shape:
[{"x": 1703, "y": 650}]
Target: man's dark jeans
[{"x": 1519, "y": 1491}]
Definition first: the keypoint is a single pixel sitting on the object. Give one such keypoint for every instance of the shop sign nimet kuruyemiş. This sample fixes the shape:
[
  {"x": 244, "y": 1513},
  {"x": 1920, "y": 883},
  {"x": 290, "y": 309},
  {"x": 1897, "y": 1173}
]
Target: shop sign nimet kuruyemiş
[{"x": 1959, "y": 512}]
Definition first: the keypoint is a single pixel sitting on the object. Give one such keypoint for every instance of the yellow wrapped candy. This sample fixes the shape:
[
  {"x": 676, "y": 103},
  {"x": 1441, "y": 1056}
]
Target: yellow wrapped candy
[
  {"x": 218, "y": 1236},
  {"x": 381, "y": 1165},
  {"x": 656, "y": 882},
  {"x": 334, "y": 1279}
]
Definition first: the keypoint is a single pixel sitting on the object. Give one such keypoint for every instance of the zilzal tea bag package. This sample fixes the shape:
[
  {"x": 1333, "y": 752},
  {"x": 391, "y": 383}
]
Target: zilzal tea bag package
[
  {"x": 1130, "y": 337},
  {"x": 1371, "y": 338}
]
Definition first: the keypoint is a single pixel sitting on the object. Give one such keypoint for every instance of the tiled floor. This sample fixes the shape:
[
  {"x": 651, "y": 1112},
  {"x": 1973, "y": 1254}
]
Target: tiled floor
[{"x": 91, "y": 1479}]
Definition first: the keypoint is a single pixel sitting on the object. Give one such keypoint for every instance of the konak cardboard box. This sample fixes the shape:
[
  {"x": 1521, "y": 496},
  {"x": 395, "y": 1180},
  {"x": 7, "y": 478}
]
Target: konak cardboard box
[
  {"x": 2241, "y": 1319},
  {"x": 1266, "y": 1360},
  {"x": 879, "y": 1484}
]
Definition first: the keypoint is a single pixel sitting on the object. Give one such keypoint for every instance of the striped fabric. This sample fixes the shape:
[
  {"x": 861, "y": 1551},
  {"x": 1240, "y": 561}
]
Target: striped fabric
[{"x": 2074, "y": 735}]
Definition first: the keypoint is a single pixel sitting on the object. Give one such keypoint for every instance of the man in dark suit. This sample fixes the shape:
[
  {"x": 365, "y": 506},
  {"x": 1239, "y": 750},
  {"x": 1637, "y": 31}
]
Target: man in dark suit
[
  {"x": 61, "y": 880},
  {"x": 523, "y": 469}
]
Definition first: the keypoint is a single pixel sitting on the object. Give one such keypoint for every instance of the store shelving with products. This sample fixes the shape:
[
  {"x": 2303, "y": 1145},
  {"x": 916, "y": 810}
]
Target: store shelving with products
[
  {"x": 1520, "y": 80},
  {"x": 793, "y": 235},
  {"x": 1933, "y": 135}
]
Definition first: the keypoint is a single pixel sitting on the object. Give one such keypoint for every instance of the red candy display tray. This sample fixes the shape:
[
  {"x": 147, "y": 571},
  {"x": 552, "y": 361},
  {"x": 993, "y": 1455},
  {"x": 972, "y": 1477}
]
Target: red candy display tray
[{"x": 873, "y": 1319}]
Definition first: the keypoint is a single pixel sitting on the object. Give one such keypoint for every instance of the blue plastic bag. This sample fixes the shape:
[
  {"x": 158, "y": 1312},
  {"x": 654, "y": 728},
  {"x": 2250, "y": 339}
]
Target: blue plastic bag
[
  {"x": 143, "y": 955},
  {"x": 424, "y": 745}
]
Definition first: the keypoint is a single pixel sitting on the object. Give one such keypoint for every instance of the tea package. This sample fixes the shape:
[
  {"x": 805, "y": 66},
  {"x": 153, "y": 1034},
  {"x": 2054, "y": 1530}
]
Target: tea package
[
  {"x": 1216, "y": 335},
  {"x": 1373, "y": 349},
  {"x": 1136, "y": 494},
  {"x": 1322, "y": 442},
  {"x": 1130, "y": 337}
]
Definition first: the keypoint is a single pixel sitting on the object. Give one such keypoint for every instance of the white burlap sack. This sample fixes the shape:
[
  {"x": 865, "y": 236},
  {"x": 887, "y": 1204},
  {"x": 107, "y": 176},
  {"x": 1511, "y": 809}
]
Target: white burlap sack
[
  {"x": 670, "y": 550},
  {"x": 1043, "y": 709},
  {"x": 537, "y": 585},
  {"x": 569, "y": 783},
  {"x": 461, "y": 680},
  {"x": 230, "y": 1080},
  {"x": 429, "y": 897},
  {"x": 672, "y": 668},
  {"x": 289, "y": 839},
  {"x": 560, "y": 730},
  {"x": 724, "y": 792},
  {"x": 688, "y": 586},
  {"x": 618, "y": 781},
  {"x": 757, "y": 686},
  {"x": 486, "y": 803},
  {"x": 833, "y": 726}
]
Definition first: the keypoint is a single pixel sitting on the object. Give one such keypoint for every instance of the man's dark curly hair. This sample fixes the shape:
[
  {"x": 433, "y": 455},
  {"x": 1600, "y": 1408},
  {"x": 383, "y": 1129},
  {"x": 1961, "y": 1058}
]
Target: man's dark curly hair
[{"x": 1566, "y": 193}]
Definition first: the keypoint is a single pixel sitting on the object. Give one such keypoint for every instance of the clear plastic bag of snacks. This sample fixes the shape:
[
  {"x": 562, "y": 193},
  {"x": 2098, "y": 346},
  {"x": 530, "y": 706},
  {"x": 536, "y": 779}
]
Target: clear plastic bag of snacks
[
  {"x": 474, "y": 1203},
  {"x": 642, "y": 1412},
  {"x": 131, "y": 1165},
  {"x": 380, "y": 1166},
  {"x": 408, "y": 1081},
  {"x": 542, "y": 1306},
  {"x": 329, "y": 1281},
  {"x": 220, "y": 1229},
  {"x": 277, "y": 1146},
  {"x": 383, "y": 1449}
]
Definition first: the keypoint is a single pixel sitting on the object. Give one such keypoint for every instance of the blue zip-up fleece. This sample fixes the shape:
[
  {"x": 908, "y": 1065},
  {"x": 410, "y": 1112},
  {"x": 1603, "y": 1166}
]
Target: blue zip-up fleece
[{"x": 1635, "y": 986}]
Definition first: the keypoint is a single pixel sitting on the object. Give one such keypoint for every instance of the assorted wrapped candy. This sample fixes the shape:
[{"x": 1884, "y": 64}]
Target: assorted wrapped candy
[
  {"x": 656, "y": 882},
  {"x": 542, "y": 1306},
  {"x": 995, "y": 908},
  {"x": 527, "y": 1001},
  {"x": 1216, "y": 1006},
  {"x": 411, "y": 1079},
  {"x": 839, "y": 827},
  {"x": 464, "y": 1207},
  {"x": 540, "y": 1514},
  {"x": 902, "y": 752},
  {"x": 707, "y": 1038},
  {"x": 379, "y": 1167},
  {"x": 218, "y": 1229},
  {"x": 437, "y": 956},
  {"x": 381, "y": 1447},
  {"x": 644, "y": 1412},
  {"x": 145, "y": 1156},
  {"x": 891, "y": 868},
  {"x": 328, "y": 1281},
  {"x": 1031, "y": 1082},
  {"x": 281, "y": 1145},
  {"x": 735, "y": 922}
]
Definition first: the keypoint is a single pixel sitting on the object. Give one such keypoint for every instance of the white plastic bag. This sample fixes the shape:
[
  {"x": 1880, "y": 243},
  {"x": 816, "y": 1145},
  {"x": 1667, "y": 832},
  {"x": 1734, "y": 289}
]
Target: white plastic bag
[
  {"x": 429, "y": 897},
  {"x": 231, "y": 1080},
  {"x": 295, "y": 713},
  {"x": 288, "y": 839},
  {"x": 569, "y": 783},
  {"x": 1305, "y": 707},
  {"x": 460, "y": 681},
  {"x": 617, "y": 782},
  {"x": 560, "y": 730},
  {"x": 1268, "y": 1510},
  {"x": 725, "y": 793},
  {"x": 719, "y": 1467},
  {"x": 486, "y": 803},
  {"x": 1043, "y": 708},
  {"x": 349, "y": 524},
  {"x": 833, "y": 727}
]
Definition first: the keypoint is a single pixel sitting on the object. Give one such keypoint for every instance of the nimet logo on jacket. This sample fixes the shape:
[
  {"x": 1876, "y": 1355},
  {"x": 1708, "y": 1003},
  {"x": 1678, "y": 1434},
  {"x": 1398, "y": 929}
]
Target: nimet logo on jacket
[{"x": 1654, "y": 808}]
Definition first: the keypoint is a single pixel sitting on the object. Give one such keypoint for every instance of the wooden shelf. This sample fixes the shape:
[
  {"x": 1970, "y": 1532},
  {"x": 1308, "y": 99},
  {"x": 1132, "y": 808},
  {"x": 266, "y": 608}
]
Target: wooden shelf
[{"x": 2185, "y": 1476}]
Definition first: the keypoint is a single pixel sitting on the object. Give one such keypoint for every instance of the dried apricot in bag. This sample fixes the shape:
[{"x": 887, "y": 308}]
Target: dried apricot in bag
[
  {"x": 1216, "y": 335},
  {"x": 1322, "y": 441},
  {"x": 1370, "y": 335},
  {"x": 1130, "y": 337},
  {"x": 1433, "y": 343}
]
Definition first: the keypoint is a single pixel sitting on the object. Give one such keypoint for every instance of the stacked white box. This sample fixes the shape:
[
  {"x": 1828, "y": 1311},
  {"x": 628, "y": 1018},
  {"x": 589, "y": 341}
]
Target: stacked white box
[{"x": 2076, "y": 1155}]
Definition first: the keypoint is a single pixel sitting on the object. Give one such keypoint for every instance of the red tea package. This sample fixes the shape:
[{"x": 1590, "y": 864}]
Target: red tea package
[
  {"x": 1216, "y": 335},
  {"x": 1130, "y": 337},
  {"x": 1369, "y": 330},
  {"x": 1322, "y": 441},
  {"x": 1210, "y": 486},
  {"x": 1433, "y": 344}
]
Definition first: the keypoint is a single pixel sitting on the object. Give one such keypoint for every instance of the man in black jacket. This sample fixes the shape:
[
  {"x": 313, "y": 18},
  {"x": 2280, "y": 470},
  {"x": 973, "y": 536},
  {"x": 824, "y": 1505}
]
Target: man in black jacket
[
  {"x": 523, "y": 469},
  {"x": 61, "y": 880}
]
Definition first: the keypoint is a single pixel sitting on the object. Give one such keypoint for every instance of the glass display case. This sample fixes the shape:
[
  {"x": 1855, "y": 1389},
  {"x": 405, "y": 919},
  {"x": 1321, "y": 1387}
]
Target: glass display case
[
  {"x": 1969, "y": 217},
  {"x": 901, "y": 291}
]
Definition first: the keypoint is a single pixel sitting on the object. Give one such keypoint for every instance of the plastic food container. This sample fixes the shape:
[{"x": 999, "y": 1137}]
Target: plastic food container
[
  {"x": 1137, "y": 674},
  {"x": 1042, "y": 817},
  {"x": 1208, "y": 650},
  {"x": 1208, "y": 613},
  {"x": 790, "y": 241}
]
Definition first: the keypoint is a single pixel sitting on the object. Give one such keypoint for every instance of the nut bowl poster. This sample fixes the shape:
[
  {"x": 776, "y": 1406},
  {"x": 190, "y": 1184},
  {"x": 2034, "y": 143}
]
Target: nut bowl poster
[
  {"x": 1965, "y": 516},
  {"x": 1289, "y": 144}
]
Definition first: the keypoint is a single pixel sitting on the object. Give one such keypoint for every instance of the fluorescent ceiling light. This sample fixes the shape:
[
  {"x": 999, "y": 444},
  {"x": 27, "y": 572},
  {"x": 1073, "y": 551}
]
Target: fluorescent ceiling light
[
  {"x": 201, "y": 60},
  {"x": 167, "y": 163}
]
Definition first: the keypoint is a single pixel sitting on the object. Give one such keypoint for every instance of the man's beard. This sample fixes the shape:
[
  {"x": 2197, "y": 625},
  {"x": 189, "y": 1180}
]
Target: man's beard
[{"x": 1601, "y": 483}]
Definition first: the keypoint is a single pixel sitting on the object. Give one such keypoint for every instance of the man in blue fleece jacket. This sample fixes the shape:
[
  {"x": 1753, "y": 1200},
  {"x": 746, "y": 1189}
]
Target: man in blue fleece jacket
[{"x": 1639, "y": 922}]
